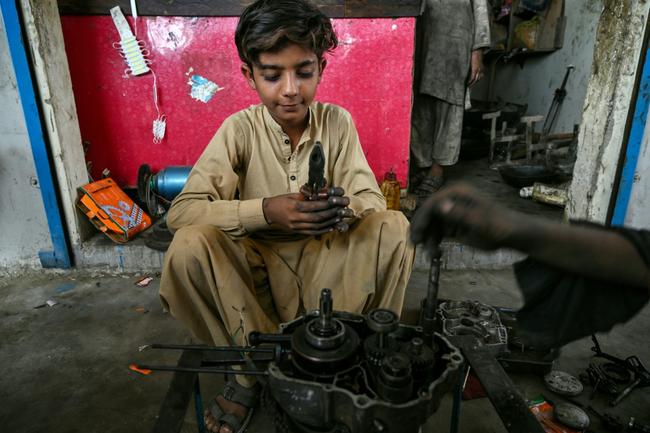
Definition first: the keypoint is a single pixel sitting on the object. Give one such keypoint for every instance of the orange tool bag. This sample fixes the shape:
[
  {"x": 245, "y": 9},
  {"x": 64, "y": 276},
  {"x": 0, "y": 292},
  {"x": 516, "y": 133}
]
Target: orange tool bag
[{"x": 112, "y": 211}]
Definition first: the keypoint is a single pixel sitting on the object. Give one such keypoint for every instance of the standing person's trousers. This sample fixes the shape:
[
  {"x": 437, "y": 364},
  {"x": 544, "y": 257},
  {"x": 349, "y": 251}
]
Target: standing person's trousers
[{"x": 436, "y": 130}]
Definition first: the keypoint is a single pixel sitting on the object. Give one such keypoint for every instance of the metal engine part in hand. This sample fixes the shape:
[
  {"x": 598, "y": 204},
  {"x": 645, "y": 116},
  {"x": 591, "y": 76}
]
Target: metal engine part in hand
[
  {"x": 571, "y": 416},
  {"x": 563, "y": 383},
  {"x": 316, "y": 180},
  {"x": 358, "y": 396},
  {"x": 474, "y": 318}
]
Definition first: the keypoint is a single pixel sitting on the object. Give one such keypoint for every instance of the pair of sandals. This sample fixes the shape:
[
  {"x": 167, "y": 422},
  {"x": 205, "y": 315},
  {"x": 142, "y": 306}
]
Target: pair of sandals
[
  {"x": 235, "y": 393},
  {"x": 424, "y": 186}
]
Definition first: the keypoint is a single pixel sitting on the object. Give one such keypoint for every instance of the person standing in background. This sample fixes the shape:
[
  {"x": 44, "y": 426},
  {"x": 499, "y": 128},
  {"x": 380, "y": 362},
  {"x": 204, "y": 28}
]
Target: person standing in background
[{"x": 451, "y": 38}]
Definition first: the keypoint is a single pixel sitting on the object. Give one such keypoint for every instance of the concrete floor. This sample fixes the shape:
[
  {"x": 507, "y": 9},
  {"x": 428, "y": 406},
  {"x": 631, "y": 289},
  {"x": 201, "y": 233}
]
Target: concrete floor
[
  {"x": 489, "y": 182},
  {"x": 65, "y": 368}
]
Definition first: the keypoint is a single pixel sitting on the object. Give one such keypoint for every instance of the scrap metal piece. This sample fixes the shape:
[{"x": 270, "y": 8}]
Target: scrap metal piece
[
  {"x": 571, "y": 416},
  {"x": 476, "y": 319},
  {"x": 563, "y": 383}
]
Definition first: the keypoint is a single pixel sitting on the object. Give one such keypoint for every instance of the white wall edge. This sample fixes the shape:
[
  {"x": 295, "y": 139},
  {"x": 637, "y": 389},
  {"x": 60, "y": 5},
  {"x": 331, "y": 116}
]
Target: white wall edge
[
  {"x": 619, "y": 42},
  {"x": 47, "y": 49}
]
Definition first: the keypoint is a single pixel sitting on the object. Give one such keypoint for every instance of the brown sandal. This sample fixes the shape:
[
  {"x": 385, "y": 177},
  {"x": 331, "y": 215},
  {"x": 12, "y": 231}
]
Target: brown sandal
[{"x": 239, "y": 394}]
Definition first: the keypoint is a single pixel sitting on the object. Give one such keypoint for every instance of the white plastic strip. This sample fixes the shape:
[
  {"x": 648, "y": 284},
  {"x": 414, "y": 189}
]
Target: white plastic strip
[
  {"x": 121, "y": 24},
  {"x": 134, "y": 10}
]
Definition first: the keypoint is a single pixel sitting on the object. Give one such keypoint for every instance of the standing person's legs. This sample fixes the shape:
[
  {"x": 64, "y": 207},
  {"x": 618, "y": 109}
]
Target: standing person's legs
[
  {"x": 435, "y": 142},
  {"x": 448, "y": 130},
  {"x": 422, "y": 136}
]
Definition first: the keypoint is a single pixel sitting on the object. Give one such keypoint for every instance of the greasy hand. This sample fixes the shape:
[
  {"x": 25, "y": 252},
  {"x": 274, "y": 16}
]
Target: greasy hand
[
  {"x": 458, "y": 212},
  {"x": 476, "y": 72},
  {"x": 335, "y": 196},
  {"x": 294, "y": 213}
]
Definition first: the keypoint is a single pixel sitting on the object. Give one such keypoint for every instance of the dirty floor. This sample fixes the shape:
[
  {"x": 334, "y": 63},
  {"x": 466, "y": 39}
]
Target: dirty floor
[{"x": 65, "y": 367}]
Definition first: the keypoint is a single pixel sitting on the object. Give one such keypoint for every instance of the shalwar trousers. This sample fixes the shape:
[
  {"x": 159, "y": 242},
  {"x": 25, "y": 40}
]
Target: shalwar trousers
[
  {"x": 223, "y": 288},
  {"x": 436, "y": 130}
]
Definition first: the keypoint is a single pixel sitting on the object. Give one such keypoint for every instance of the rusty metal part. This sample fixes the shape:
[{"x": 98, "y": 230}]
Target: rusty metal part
[
  {"x": 571, "y": 416},
  {"x": 563, "y": 383},
  {"x": 395, "y": 381},
  {"x": 476, "y": 319},
  {"x": 422, "y": 358},
  {"x": 640, "y": 376},
  {"x": 380, "y": 344}
]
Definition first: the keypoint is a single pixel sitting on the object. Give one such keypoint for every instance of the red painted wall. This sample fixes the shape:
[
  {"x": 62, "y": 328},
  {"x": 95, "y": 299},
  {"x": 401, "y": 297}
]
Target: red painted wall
[{"x": 370, "y": 75}]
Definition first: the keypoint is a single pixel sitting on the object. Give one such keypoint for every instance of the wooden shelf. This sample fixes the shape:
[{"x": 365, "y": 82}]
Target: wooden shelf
[
  {"x": 550, "y": 30},
  {"x": 194, "y": 8}
]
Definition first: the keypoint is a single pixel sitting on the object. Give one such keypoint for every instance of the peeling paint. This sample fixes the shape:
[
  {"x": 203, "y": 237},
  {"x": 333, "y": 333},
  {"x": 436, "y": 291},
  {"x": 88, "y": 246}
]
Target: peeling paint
[
  {"x": 615, "y": 61},
  {"x": 203, "y": 89}
]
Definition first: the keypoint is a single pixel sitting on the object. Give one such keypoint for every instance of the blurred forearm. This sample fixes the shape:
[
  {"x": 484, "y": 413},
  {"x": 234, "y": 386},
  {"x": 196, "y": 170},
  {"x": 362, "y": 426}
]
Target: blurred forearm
[{"x": 583, "y": 250}]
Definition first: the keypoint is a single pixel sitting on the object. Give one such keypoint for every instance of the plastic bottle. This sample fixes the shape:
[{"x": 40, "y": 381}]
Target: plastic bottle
[{"x": 390, "y": 188}]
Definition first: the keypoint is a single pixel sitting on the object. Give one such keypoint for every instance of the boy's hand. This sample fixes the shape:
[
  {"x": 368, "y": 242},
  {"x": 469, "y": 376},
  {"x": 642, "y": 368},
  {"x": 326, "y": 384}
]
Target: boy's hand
[
  {"x": 336, "y": 197},
  {"x": 460, "y": 213},
  {"x": 293, "y": 212}
]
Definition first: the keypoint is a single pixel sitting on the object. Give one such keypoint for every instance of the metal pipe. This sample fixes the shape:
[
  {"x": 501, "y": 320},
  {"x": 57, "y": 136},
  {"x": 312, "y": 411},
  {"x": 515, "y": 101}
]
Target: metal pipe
[
  {"x": 240, "y": 361},
  {"x": 198, "y": 406},
  {"x": 213, "y": 348},
  {"x": 202, "y": 370},
  {"x": 255, "y": 338},
  {"x": 431, "y": 302}
]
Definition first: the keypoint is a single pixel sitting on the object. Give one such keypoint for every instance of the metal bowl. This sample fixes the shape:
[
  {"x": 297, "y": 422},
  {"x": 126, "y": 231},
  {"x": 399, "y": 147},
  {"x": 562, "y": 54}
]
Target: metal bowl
[{"x": 520, "y": 176}]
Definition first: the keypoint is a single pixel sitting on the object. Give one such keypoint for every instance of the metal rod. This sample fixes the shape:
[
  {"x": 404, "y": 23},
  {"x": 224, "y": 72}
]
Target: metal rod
[
  {"x": 431, "y": 302},
  {"x": 214, "y": 348},
  {"x": 454, "y": 424},
  {"x": 255, "y": 338},
  {"x": 202, "y": 370},
  {"x": 198, "y": 406},
  {"x": 240, "y": 361}
]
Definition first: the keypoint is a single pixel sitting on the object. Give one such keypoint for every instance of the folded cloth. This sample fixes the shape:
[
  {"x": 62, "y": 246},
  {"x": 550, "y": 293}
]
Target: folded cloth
[{"x": 560, "y": 307}]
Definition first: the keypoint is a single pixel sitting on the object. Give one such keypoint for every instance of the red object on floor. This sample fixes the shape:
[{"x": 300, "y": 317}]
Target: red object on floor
[
  {"x": 142, "y": 371},
  {"x": 370, "y": 75},
  {"x": 473, "y": 388}
]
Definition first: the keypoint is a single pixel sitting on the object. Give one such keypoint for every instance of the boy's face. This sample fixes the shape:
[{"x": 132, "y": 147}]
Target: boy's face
[{"x": 286, "y": 82}]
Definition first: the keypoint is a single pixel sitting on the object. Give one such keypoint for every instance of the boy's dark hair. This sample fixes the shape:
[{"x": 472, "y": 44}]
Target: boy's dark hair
[{"x": 271, "y": 25}]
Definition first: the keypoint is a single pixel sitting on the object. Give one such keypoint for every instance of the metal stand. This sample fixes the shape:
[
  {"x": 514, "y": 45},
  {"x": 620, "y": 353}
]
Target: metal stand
[
  {"x": 183, "y": 385},
  {"x": 507, "y": 401},
  {"x": 458, "y": 399}
]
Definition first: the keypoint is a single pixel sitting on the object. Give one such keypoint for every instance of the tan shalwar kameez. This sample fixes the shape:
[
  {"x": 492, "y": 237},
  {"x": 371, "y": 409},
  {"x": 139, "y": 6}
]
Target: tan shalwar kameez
[{"x": 227, "y": 272}]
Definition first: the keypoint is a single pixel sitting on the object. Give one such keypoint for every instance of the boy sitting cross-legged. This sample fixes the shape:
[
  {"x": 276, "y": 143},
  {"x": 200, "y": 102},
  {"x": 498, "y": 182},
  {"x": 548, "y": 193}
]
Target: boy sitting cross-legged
[{"x": 250, "y": 251}]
